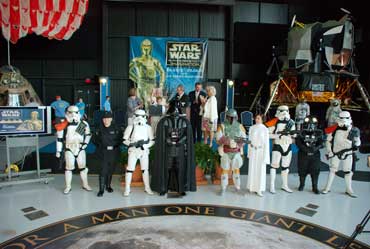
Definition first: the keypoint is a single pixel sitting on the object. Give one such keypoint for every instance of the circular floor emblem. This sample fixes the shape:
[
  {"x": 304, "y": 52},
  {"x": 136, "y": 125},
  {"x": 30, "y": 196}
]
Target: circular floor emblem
[{"x": 181, "y": 226}]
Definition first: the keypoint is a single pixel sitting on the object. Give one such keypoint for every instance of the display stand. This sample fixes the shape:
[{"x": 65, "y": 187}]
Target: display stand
[{"x": 17, "y": 142}]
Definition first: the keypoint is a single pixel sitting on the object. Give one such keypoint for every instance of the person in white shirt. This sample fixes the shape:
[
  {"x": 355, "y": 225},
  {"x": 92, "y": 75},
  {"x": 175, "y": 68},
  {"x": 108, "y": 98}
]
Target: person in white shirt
[
  {"x": 258, "y": 156},
  {"x": 210, "y": 115}
]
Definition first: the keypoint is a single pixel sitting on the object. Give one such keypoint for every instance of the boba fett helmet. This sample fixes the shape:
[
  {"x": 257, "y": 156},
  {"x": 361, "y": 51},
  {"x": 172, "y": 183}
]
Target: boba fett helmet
[{"x": 231, "y": 115}]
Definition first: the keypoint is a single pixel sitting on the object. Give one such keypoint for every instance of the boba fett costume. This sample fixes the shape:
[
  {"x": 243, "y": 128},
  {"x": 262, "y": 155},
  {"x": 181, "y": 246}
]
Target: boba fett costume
[{"x": 231, "y": 137}]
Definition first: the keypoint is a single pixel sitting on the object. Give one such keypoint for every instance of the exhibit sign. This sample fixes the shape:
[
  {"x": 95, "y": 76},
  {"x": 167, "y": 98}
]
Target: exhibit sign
[
  {"x": 25, "y": 120},
  {"x": 166, "y": 62}
]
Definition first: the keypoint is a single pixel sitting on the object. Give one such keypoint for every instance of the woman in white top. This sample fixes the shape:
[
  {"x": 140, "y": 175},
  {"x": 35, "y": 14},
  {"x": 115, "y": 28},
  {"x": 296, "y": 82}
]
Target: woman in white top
[
  {"x": 258, "y": 156},
  {"x": 210, "y": 115}
]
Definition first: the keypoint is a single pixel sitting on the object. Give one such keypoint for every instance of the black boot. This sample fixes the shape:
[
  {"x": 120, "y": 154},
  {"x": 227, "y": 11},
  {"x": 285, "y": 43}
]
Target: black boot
[
  {"x": 302, "y": 180},
  {"x": 109, "y": 181},
  {"x": 315, "y": 180},
  {"x": 101, "y": 185}
]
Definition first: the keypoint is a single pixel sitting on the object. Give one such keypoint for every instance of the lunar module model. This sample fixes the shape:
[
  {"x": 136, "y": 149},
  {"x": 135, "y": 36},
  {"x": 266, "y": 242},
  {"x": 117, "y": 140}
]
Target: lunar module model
[
  {"x": 15, "y": 90},
  {"x": 320, "y": 64}
]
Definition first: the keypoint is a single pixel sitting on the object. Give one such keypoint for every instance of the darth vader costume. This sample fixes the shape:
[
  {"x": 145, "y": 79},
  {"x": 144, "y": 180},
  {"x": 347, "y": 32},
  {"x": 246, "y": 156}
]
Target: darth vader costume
[
  {"x": 174, "y": 165},
  {"x": 309, "y": 141}
]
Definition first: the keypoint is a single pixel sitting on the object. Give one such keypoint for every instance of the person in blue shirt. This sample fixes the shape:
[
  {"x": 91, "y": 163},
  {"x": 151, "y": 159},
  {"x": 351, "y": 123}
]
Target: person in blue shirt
[
  {"x": 81, "y": 107},
  {"x": 59, "y": 107},
  {"x": 107, "y": 104}
]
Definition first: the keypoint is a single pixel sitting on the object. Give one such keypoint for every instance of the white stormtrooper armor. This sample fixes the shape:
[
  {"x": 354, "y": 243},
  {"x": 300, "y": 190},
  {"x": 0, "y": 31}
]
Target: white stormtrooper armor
[
  {"x": 282, "y": 135},
  {"x": 340, "y": 145},
  {"x": 333, "y": 111},
  {"x": 139, "y": 138},
  {"x": 73, "y": 135}
]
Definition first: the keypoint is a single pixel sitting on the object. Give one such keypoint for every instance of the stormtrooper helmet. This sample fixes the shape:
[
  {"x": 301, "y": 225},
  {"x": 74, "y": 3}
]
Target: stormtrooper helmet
[
  {"x": 282, "y": 113},
  {"x": 310, "y": 123},
  {"x": 139, "y": 117},
  {"x": 344, "y": 119},
  {"x": 231, "y": 115},
  {"x": 73, "y": 114}
]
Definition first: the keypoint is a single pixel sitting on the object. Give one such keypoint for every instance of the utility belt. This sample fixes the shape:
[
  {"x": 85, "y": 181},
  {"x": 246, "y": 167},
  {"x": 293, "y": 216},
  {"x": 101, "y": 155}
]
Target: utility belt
[
  {"x": 112, "y": 147},
  {"x": 227, "y": 149},
  {"x": 73, "y": 145}
]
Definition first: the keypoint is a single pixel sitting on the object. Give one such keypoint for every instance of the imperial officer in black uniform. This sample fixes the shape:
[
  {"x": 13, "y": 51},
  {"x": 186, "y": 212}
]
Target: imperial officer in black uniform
[{"x": 107, "y": 138}]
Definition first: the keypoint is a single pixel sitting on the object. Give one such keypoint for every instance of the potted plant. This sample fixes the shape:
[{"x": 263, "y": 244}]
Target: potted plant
[{"x": 205, "y": 160}]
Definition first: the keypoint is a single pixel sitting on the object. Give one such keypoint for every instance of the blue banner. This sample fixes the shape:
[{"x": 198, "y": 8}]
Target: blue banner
[
  {"x": 24, "y": 120},
  {"x": 163, "y": 63}
]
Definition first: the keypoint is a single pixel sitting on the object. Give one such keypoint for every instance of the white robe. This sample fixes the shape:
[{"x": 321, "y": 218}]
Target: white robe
[{"x": 259, "y": 156}]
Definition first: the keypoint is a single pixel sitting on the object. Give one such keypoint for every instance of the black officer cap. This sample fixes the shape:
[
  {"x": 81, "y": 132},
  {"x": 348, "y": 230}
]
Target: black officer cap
[{"x": 107, "y": 115}]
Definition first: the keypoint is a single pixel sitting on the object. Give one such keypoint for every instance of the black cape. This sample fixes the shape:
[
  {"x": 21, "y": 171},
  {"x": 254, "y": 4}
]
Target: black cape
[{"x": 159, "y": 169}]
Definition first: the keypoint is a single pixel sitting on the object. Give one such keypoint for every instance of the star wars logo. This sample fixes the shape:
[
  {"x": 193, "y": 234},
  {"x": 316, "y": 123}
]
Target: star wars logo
[
  {"x": 184, "y": 54},
  {"x": 10, "y": 114}
]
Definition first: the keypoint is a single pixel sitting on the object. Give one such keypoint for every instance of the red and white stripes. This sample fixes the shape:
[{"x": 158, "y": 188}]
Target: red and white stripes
[{"x": 55, "y": 19}]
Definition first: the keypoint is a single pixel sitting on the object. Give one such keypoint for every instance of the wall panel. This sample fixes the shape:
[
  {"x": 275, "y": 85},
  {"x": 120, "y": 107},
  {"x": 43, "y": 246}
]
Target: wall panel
[
  {"x": 29, "y": 67},
  {"x": 118, "y": 57},
  {"x": 121, "y": 20},
  {"x": 58, "y": 68},
  {"x": 216, "y": 60},
  {"x": 119, "y": 93},
  {"x": 152, "y": 21},
  {"x": 212, "y": 22},
  {"x": 183, "y": 22},
  {"x": 85, "y": 69}
]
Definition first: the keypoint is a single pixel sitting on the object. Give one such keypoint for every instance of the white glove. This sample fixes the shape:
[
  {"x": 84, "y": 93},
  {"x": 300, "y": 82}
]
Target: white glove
[
  {"x": 84, "y": 146},
  {"x": 57, "y": 154}
]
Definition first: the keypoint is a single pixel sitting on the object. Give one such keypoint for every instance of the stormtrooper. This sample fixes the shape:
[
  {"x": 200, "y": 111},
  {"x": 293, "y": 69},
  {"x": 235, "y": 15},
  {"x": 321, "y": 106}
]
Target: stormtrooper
[
  {"x": 342, "y": 142},
  {"x": 333, "y": 111},
  {"x": 302, "y": 110},
  {"x": 231, "y": 137},
  {"x": 139, "y": 138},
  {"x": 73, "y": 135},
  {"x": 282, "y": 131}
]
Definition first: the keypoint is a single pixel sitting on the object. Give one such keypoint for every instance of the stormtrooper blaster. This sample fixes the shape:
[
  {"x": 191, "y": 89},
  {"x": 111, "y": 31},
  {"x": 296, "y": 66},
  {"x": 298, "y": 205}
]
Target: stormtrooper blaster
[
  {"x": 340, "y": 154},
  {"x": 139, "y": 144},
  {"x": 288, "y": 132},
  {"x": 353, "y": 133},
  {"x": 61, "y": 160}
]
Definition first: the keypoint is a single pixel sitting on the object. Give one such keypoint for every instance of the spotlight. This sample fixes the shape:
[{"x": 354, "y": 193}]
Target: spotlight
[
  {"x": 230, "y": 83},
  {"x": 103, "y": 80}
]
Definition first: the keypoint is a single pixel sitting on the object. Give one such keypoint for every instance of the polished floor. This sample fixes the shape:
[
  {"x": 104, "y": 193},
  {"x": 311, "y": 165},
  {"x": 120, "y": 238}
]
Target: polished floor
[{"x": 335, "y": 210}]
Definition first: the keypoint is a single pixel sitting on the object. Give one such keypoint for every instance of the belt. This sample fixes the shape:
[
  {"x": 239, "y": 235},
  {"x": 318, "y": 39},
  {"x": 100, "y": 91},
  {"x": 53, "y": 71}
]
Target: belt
[
  {"x": 111, "y": 147},
  {"x": 227, "y": 149}
]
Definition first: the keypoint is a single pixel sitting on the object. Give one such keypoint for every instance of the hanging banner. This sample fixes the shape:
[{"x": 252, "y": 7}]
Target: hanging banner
[{"x": 159, "y": 64}]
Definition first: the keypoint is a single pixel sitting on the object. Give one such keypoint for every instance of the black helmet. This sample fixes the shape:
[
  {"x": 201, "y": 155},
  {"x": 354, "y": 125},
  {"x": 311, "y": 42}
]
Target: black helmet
[{"x": 310, "y": 123}]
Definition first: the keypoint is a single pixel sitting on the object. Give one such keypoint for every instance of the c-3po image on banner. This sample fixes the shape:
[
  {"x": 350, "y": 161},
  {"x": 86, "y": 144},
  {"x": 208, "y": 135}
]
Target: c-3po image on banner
[{"x": 144, "y": 71}]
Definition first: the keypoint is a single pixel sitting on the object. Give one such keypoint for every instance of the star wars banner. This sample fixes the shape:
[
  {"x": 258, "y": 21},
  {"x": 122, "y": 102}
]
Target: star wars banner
[
  {"x": 24, "y": 120},
  {"x": 159, "y": 64}
]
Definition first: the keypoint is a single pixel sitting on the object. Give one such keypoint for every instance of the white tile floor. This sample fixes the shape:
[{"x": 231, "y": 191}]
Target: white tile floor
[{"x": 336, "y": 210}]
